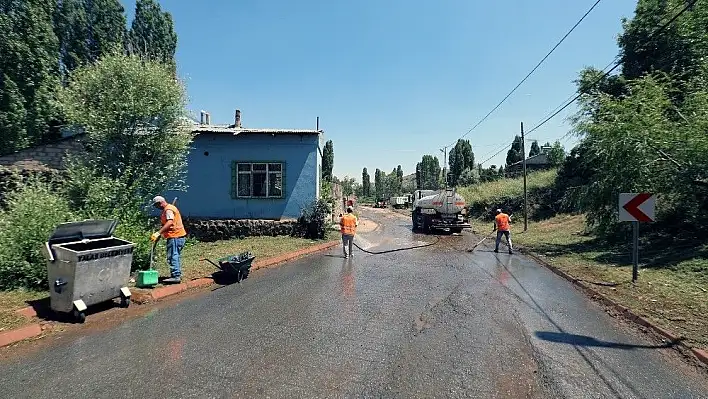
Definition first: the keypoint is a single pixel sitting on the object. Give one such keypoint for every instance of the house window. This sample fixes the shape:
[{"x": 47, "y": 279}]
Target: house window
[{"x": 258, "y": 179}]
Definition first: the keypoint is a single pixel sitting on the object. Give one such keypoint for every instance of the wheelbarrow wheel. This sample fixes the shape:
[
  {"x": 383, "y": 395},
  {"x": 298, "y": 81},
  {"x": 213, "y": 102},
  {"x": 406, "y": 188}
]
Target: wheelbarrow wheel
[{"x": 80, "y": 317}]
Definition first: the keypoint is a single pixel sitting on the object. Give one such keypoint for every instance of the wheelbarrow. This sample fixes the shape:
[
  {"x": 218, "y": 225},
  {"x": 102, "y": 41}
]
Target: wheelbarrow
[{"x": 234, "y": 267}]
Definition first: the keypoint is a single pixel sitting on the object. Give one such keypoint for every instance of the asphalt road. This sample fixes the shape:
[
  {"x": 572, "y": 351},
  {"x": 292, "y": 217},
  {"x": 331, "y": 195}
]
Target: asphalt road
[{"x": 431, "y": 322}]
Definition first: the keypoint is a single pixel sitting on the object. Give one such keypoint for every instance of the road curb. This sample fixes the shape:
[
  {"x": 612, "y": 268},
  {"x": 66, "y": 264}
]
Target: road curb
[
  {"x": 700, "y": 354},
  {"x": 20, "y": 334},
  {"x": 170, "y": 290},
  {"x": 140, "y": 297},
  {"x": 265, "y": 263}
]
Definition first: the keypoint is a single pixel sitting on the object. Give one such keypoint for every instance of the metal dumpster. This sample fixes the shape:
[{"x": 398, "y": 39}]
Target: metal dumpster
[{"x": 86, "y": 265}]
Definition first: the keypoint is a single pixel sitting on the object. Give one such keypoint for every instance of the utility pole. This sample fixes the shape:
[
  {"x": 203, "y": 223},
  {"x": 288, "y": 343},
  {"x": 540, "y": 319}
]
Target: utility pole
[
  {"x": 444, "y": 150},
  {"x": 526, "y": 198}
]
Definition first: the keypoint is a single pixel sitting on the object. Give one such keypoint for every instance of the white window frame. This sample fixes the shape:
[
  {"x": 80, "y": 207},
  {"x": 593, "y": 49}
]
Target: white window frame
[{"x": 268, "y": 172}]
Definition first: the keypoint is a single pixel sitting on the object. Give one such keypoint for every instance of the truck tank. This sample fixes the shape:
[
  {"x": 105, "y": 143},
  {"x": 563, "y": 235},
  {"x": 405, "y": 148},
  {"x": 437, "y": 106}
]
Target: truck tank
[{"x": 446, "y": 202}]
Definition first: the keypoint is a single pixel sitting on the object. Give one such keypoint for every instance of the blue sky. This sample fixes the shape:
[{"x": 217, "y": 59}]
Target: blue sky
[{"x": 391, "y": 80}]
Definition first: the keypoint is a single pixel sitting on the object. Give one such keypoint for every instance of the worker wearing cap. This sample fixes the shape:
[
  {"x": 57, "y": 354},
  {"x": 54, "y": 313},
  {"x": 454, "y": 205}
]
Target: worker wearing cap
[
  {"x": 347, "y": 225},
  {"x": 502, "y": 226},
  {"x": 174, "y": 234}
]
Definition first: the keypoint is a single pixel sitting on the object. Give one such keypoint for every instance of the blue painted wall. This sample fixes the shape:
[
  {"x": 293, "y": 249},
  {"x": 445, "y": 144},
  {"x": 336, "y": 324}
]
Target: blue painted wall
[{"x": 209, "y": 177}]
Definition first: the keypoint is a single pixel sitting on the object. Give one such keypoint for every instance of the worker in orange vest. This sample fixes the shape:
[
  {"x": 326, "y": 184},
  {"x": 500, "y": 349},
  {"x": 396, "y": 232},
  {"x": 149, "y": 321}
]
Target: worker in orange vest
[
  {"x": 347, "y": 225},
  {"x": 502, "y": 226},
  {"x": 174, "y": 233}
]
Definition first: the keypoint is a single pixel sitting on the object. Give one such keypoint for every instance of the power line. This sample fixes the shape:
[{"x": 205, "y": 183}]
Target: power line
[
  {"x": 688, "y": 5},
  {"x": 530, "y": 73}
]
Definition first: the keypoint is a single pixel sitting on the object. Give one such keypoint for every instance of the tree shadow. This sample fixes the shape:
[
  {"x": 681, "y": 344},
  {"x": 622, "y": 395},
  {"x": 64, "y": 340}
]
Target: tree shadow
[{"x": 583, "y": 340}]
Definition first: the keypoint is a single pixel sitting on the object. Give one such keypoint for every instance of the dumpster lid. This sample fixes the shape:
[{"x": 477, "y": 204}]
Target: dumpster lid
[{"x": 86, "y": 229}]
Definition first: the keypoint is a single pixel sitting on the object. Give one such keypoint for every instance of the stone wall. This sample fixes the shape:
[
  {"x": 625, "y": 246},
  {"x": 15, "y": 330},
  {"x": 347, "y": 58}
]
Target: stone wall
[
  {"x": 49, "y": 156},
  {"x": 212, "y": 230}
]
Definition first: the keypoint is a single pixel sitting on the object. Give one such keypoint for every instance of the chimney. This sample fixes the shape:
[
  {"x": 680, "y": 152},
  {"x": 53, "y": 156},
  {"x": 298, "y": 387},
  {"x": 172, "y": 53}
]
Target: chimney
[
  {"x": 208, "y": 119},
  {"x": 202, "y": 117},
  {"x": 237, "y": 119}
]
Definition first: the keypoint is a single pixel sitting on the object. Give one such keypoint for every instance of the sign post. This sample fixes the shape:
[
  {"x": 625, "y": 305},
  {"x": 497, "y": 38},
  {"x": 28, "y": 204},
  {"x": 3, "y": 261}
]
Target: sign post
[{"x": 635, "y": 208}]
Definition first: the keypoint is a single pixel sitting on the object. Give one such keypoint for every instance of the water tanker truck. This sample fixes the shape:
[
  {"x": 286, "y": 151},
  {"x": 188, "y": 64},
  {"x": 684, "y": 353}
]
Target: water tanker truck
[{"x": 439, "y": 210}]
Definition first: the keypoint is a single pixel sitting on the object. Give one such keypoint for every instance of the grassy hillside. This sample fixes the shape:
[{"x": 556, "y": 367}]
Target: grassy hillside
[{"x": 508, "y": 194}]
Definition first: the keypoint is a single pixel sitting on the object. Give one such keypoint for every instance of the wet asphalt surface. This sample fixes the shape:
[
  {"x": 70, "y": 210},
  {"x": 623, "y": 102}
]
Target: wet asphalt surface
[{"x": 430, "y": 322}]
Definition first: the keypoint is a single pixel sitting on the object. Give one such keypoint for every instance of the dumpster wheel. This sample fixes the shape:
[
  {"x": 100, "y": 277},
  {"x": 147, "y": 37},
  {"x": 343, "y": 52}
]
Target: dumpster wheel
[
  {"x": 79, "y": 316},
  {"x": 124, "y": 301}
]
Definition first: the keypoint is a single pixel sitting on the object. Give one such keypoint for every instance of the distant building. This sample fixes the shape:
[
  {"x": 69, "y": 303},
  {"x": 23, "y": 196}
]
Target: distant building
[{"x": 536, "y": 162}]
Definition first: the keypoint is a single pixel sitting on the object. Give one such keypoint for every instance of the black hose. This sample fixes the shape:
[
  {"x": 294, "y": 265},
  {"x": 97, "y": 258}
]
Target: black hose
[{"x": 397, "y": 249}]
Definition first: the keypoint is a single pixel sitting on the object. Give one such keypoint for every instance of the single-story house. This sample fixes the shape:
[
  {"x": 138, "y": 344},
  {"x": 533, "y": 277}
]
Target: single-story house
[
  {"x": 233, "y": 172},
  {"x": 244, "y": 173},
  {"x": 536, "y": 162}
]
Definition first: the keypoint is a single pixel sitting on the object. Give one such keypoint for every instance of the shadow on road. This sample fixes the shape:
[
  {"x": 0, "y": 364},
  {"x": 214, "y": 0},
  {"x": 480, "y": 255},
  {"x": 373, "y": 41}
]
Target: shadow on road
[{"x": 583, "y": 340}]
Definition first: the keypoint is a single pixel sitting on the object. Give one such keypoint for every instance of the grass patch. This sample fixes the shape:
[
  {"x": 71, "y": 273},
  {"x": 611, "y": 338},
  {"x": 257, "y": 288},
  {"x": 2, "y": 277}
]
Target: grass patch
[
  {"x": 10, "y": 301},
  {"x": 497, "y": 191},
  {"x": 261, "y": 247},
  {"x": 672, "y": 289}
]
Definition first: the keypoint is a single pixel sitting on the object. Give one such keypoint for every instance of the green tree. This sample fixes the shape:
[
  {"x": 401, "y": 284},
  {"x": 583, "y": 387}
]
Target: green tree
[
  {"x": 633, "y": 147},
  {"x": 469, "y": 177},
  {"x": 429, "y": 173},
  {"x": 132, "y": 112},
  {"x": 556, "y": 154},
  {"x": 418, "y": 176},
  {"x": 327, "y": 161},
  {"x": 72, "y": 29},
  {"x": 515, "y": 154},
  {"x": 13, "y": 135},
  {"x": 29, "y": 57},
  {"x": 535, "y": 149},
  {"x": 678, "y": 50},
  {"x": 379, "y": 184},
  {"x": 348, "y": 185},
  {"x": 88, "y": 30},
  {"x": 460, "y": 159},
  {"x": 152, "y": 34},
  {"x": 366, "y": 183},
  {"x": 394, "y": 181}
]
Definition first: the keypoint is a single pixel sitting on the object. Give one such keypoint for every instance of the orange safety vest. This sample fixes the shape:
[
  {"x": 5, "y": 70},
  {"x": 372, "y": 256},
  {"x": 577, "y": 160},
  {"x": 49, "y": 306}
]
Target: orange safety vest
[
  {"x": 348, "y": 225},
  {"x": 177, "y": 230},
  {"x": 502, "y": 221}
]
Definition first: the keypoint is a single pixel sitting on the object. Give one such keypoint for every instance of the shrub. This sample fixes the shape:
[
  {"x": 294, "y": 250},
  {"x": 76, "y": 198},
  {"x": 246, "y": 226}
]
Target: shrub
[
  {"x": 315, "y": 219},
  {"x": 33, "y": 211},
  {"x": 508, "y": 194},
  {"x": 98, "y": 197}
]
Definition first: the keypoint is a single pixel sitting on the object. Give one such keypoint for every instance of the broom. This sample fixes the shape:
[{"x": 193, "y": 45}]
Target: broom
[{"x": 478, "y": 244}]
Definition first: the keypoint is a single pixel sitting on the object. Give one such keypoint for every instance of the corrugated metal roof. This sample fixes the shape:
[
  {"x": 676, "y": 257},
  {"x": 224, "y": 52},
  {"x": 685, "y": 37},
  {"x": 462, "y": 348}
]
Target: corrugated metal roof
[{"x": 232, "y": 130}]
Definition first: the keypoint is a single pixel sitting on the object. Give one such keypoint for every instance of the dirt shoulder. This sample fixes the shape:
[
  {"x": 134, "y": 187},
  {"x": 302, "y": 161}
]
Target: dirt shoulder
[{"x": 672, "y": 290}]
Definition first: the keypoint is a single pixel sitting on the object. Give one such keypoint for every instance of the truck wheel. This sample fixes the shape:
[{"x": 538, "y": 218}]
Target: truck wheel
[{"x": 426, "y": 224}]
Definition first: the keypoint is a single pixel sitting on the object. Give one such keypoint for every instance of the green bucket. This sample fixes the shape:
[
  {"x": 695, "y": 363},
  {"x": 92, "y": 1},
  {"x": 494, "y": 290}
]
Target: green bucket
[{"x": 147, "y": 278}]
